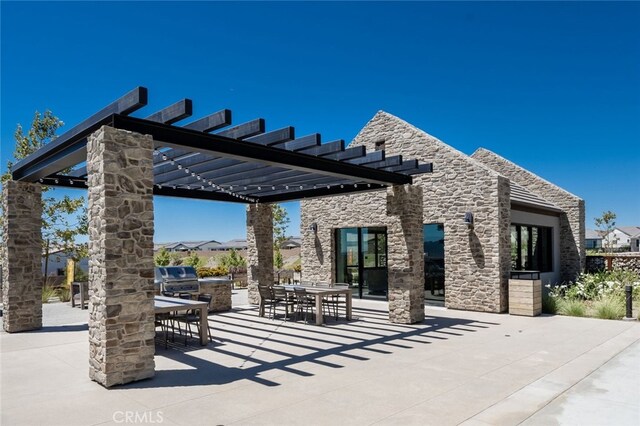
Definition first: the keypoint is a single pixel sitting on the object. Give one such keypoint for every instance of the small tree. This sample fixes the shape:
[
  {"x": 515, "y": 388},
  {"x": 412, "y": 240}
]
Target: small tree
[
  {"x": 280, "y": 225},
  {"x": 63, "y": 219},
  {"x": 175, "y": 259},
  {"x": 194, "y": 260},
  {"x": 163, "y": 258},
  {"x": 606, "y": 224},
  {"x": 233, "y": 261}
]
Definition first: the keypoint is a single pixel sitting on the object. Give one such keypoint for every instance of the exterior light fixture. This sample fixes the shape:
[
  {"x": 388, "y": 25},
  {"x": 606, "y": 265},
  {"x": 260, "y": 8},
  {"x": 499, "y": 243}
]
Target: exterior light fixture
[
  {"x": 313, "y": 227},
  {"x": 468, "y": 219}
]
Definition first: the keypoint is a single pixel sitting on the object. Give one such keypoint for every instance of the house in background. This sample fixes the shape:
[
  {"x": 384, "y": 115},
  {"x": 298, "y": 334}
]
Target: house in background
[
  {"x": 635, "y": 242},
  {"x": 57, "y": 264},
  {"x": 188, "y": 246},
  {"x": 620, "y": 238},
  {"x": 592, "y": 239},
  {"x": 291, "y": 243},
  {"x": 482, "y": 217}
]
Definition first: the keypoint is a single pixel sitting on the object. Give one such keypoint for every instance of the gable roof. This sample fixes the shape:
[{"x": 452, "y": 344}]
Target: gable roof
[
  {"x": 521, "y": 195},
  {"x": 591, "y": 234},
  {"x": 629, "y": 230}
]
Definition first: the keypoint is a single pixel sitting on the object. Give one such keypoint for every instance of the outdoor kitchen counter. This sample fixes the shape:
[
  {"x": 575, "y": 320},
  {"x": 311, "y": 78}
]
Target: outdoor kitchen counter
[{"x": 220, "y": 290}]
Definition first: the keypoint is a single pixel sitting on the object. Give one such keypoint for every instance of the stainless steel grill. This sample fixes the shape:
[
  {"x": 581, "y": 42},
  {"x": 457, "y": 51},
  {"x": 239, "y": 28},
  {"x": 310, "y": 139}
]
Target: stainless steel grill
[{"x": 177, "y": 279}]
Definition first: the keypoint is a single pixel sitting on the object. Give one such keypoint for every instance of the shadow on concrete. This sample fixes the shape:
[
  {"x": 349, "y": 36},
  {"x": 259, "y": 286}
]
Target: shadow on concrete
[{"x": 367, "y": 334}]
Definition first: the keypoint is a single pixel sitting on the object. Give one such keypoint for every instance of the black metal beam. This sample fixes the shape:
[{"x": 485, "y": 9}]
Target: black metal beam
[
  {"x": 196, "y": 194},
  {"x": 422, "y": 168},
  {"x": 211, "y": 122},
  {"x": 70, "y": 148},
  {"x": 244, "y": 130},
  {"x": 173, "y": 113},
  {"x": 371, "y": 157},
  {"x": 273, "y": 137},
  {"x": 347, "y": 154},
  {"x": 325, "y": 148},
  {"x": 300, "y": 143},
  {"x": 317, "y": 193},
  {"x": 207, "y": 194},
  {"x": 406, "y": 165},
  {"x": 217, "y": 145},
  {"x": 394, "y": 160}
]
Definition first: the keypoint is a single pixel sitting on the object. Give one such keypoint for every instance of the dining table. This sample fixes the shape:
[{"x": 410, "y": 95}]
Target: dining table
[
  {"x": 163, "y": 304},
  {"x": 320, "y": 292}
]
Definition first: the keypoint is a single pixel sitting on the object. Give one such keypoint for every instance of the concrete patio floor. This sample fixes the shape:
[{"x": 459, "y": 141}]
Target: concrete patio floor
[{"x": 456, "y": 367}]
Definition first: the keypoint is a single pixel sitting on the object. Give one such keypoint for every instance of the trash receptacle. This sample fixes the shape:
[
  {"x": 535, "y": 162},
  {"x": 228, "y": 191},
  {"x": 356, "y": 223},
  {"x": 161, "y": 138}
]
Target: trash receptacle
[{"x": 525, "y": 293}]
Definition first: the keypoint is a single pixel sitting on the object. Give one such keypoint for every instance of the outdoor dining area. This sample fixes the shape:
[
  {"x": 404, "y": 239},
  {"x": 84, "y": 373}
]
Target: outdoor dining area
[
  {"x": 124, "y": 161},
  {"x": 306, "y": 300}
]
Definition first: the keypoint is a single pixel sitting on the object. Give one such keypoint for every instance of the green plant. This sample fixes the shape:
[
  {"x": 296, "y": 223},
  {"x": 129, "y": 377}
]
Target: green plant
[
  {"x": 572, "y": 307},
  {"x": 606, "y": 224},
  {"x": 549, "y": 304},
  {"x": 609, "y": 307},
  {"x": 233, "y": 261},
  {"x": 194, "y": 260},
  {"x": 218, "y": 271},
  {"x": 64, "y": 293},
  {"x": 162, "y": 258},
  {"x": 47, "y": 293},
  {"x": 175, "y": 259}
]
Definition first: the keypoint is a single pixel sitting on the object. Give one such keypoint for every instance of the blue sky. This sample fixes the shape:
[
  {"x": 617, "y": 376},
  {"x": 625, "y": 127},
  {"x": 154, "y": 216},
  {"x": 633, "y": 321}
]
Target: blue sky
[{"x": 554, "y": 87}]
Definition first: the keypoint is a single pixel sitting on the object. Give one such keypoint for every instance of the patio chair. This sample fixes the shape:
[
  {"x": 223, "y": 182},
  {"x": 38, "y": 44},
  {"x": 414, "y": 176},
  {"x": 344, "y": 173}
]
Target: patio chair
[
  {"x": 281, "y": 297},
  {"x": 193, "y": 317},
  {"x": 162, "y": 321},
  {"x": 267, "y": 299},
  {"x": 303, "y": 302},
  {"x": 337, "y": 300}
]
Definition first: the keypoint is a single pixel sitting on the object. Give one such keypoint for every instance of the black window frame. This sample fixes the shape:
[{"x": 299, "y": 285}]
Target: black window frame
[{"x": 539, "y": 261}]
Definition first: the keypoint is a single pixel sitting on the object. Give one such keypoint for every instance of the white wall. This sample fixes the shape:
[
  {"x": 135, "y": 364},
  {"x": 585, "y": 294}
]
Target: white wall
[
  {"x": 59, "y": 261},
  {"x": 526, "y": 218}
]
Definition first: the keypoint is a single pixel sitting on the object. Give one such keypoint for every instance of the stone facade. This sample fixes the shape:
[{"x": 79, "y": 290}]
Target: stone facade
[
  {"x": 405, "y": 254},
  {"x": 259, "y": 248},
  {"x": 221, "y": 294},
  {"x": 477, "y": 260},
  {"x": 572, "y": 227},
  {"x": 22, "y": 256},
  {"x": 121, "y": 267},
  {"x": 621, "y": 261}
]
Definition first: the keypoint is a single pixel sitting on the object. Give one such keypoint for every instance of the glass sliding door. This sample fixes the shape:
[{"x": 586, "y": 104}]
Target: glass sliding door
[
  {"x": 347, "y": 256},
  {"x": 373, "y": 246},
  {"x": 361, "y": 260},
  {"x": 434, "y": 263}
]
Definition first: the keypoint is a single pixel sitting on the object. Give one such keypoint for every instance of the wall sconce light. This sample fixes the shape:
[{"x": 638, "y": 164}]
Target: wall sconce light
[
  {"x": 313, "y": 227},
  {"x": 468, "y": 219}
]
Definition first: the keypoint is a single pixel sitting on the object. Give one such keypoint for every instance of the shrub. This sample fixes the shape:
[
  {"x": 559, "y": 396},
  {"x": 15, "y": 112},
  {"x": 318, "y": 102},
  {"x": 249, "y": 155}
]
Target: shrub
[
  {"x": 609, "y": 307},
  {"x": 163, "y": 257},
  {"x": 218, "y": 271},
  {"x": 47, "y": 293},
  {"x": 572, "y": 307},
  {"x": 549, "y": 304},
  {"x": 194, "y": 260},
  {"x": 64, "y": 293}
]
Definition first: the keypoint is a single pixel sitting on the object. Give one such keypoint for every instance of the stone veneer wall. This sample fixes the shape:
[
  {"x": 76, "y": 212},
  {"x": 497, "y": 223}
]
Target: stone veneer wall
[
  {"x": 22, "y": 256},
  {"x": 572, "y": 227},
  {"x": 121, "y": 267},
  {"x": 259, "y": 249},
  {"x": 477, "y": 261},
  {"x": 405, "y": 250}
]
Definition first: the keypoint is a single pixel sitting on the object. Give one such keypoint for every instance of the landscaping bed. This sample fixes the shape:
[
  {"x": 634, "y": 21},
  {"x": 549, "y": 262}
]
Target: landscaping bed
[{"x": 597, "y": 295}]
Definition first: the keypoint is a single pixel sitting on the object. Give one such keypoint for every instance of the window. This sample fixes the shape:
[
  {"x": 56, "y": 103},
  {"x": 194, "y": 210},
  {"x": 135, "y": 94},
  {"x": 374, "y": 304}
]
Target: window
[
  {"x": 380, "y": 145},
  {"x": 531, "y": 248}
]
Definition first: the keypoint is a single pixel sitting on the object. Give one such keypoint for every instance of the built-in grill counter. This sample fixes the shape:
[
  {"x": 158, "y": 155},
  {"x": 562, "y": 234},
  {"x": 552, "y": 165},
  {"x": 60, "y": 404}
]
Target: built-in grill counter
[{"x": 184, "y": 279}]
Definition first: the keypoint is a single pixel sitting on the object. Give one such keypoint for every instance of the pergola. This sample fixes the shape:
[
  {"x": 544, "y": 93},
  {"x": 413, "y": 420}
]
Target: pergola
[{"x": 124, "y": 161}]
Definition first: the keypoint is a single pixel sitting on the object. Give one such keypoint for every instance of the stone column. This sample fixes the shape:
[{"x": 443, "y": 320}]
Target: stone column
[
  {"x": 121, "y": 289},
  {"x": 259, "y": 248},
  {"x": 405, "y": 254},
  {"x": 22, "y": 256}
]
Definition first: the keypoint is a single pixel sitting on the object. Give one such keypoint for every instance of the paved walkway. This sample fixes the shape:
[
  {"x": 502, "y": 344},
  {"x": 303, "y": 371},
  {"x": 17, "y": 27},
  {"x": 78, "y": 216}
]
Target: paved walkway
[{"x": 455, "y": 368}]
